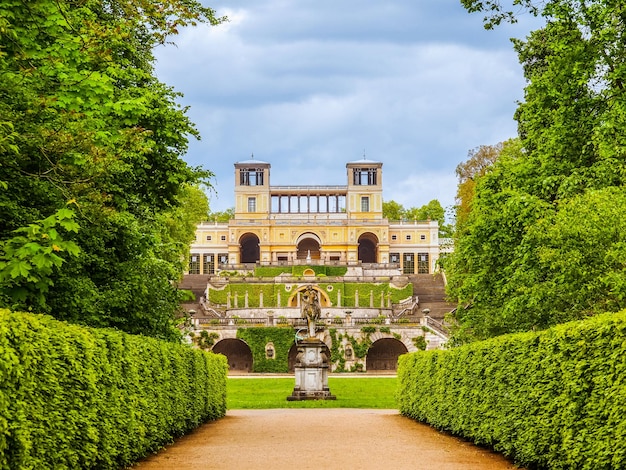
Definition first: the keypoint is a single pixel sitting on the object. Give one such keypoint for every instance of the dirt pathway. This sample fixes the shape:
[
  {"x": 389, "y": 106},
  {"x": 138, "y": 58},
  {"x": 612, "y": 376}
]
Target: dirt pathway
[{"x": 333, "y": 438}]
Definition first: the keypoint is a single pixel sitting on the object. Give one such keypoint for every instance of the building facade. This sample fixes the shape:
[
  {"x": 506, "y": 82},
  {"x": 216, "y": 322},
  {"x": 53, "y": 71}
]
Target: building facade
[{"x": 341, "y": 225}]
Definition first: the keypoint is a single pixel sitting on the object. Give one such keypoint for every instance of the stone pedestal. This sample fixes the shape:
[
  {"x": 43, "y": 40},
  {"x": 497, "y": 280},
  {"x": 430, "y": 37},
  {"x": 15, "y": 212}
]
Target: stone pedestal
[{"x": 311, "y": 372}]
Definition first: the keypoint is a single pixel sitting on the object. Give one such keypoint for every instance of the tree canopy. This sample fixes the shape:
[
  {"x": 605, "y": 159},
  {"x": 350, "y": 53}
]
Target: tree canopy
[
  {"x": 393, "y": 210},
  {"x": 222, "y": 216},
  {"x": 542, "y": 242},
  {"x": 91, "y": 147}
]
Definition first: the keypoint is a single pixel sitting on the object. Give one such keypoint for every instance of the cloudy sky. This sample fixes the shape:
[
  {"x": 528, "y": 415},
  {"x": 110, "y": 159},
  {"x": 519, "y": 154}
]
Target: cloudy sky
[{"x": 311, "y": 85}]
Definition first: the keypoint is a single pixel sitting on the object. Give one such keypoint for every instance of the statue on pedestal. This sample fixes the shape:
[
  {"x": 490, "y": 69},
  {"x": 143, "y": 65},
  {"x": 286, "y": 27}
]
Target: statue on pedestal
[
  {"x": 311, "y": 367},
  {"x": 311, "y": 309}
]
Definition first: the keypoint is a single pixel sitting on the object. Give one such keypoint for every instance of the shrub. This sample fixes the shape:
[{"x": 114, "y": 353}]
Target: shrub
[
  {"x": 75, "y": 397},
  {"x": 336, "y": 270},
  {"x": 420, "y": 343},
  {"x": 271, "y": 271},
  {"x": 186, "y": 295},
  {"x": 553, "y": 399}
]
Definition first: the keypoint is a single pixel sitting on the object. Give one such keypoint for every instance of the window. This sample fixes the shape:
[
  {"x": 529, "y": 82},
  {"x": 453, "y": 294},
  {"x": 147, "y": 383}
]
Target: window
[
  {"x": 251, "y": 177},
  {"x": 252, "y": 204},
  {"x": 422, "y": 237},
  {"x": 365, "y": 204},
  {"x": 194, "y": 263},
  {"x": 408, "y": 263},
  {"x": 394, "y": 237},
  {"x": 394, "y": 257},
  {"x": 364, "y": 176},
  {"x": 208, "y": 238},
  {"x": 208, "y": 264},
  {"x": 223, "y": 238},
  {"x": 408, "y": 237},
  {"x": 422, "y": 263},
  {"x": 222, "y": 258}
]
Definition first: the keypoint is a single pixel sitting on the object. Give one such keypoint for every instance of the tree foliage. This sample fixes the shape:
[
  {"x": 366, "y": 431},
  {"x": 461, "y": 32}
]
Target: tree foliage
[
  {"x": 395, "y": 211},
  {"x": 222, "y": 216},
  {"x": 542, "y": 241},
  {"x": 84, "y": 119},
  {"x": 479, "y": 161}
]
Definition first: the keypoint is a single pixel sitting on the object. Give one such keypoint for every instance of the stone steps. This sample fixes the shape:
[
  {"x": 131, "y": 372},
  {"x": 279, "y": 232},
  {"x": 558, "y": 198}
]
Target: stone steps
[{"x": 431, "y": 293}]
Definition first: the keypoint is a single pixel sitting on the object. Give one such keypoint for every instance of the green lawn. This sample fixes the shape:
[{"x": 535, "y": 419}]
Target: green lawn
[{"x": 351, "y": 392}]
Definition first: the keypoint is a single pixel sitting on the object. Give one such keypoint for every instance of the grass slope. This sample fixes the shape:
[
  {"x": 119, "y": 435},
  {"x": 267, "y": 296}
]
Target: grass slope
[{"x": 357, "y": 392}]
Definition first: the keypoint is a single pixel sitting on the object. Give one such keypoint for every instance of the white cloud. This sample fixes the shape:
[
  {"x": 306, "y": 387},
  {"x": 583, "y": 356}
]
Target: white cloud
[{"x": 311, "y": 85}]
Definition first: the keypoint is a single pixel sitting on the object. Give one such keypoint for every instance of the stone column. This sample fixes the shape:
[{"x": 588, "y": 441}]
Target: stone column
[
  {"x": 245, "y": 300},
  {"x": 356, "y": 298},
  {"x": 261, "y": 299},
  {"x": 228, "y": 300}
]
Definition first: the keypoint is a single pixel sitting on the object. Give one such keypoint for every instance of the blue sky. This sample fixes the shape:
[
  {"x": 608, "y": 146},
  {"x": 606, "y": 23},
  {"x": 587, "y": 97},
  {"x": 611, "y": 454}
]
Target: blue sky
[{"x": 311, "y": 85}]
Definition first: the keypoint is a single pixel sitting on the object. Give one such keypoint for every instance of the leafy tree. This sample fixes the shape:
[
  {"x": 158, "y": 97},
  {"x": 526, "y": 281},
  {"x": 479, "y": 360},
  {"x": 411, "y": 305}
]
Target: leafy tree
[
  {"x": 530, "y": 254},
  {"x": 223, "y": 216},
  {"x": 84, "y": 119},
  {"x": 479, "y": 161},
  {"x": 432, "y": 211},
  {"x": 496, "y": 13},
  {"x": 393, "y": 210}
]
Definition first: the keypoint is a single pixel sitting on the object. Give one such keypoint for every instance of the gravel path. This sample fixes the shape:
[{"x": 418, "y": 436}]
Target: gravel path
[{"x": 330, "y": 438}]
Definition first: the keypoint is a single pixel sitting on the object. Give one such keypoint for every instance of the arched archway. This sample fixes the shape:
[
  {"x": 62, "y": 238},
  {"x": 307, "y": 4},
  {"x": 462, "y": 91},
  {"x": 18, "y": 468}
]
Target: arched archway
[
  {"x": 383, "y": 354},
  {"x": 368, "y": 248},
  {"x": 321, "y": 295},
  {"x": 249, "y": 251},
  {"x": 291, "y": 360},
  {"x": 308, "y": 244},
  {"x": 237, "y": 352}
]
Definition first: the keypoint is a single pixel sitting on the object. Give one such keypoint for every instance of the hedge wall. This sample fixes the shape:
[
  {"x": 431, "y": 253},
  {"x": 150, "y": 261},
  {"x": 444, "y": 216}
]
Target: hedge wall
[
  {"x": 74, "y": 397},
  {"x": 273, "y": 271},
  {"x": 554, "y": 399},
  {"x": 257, "y": 338}
]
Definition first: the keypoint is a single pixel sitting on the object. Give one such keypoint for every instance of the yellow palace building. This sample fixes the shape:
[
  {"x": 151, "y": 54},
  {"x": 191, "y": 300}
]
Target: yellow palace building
[{"x": 286, "y": 225}]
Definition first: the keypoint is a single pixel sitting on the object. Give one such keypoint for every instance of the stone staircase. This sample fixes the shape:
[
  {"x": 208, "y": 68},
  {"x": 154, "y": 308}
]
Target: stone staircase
[
  {"x": 196, "y": 283},
  {"x": 431, "y": 293}
]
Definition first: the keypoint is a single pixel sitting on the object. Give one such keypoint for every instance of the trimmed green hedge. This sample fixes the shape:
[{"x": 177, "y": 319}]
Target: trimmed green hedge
[
  {"x": 273, "y": 271},
  {"x": 75, "y": 397},
  {"x": 281, "y": 337},
  {"x": 555, "y": 399}
]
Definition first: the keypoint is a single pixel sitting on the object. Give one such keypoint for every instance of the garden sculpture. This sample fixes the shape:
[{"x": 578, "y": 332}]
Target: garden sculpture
[{"x": 311, "y": 309}]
